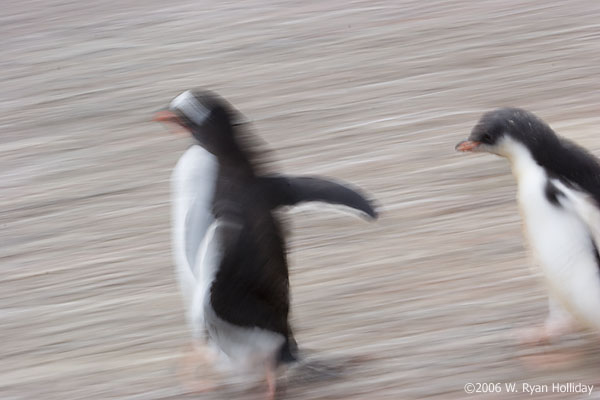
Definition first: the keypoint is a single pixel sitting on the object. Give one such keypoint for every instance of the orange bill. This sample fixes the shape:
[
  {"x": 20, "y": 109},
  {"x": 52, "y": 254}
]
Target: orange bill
[
  {"x": 165, "y": 116},
  {"x": 467, "y": 145}
]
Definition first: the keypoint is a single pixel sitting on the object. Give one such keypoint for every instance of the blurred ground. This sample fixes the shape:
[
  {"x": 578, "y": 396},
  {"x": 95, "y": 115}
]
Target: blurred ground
[{"x": 373, "y": 92}]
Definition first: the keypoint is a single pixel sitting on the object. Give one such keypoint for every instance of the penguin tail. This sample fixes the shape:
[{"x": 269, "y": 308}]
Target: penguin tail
[
  {"x": 314, "y": 369},
  {"x": 288, "y": 354}
]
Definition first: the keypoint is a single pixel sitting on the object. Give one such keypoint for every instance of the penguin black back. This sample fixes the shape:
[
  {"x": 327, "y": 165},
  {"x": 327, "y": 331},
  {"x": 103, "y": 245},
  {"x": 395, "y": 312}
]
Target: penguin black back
[
  {"x": 251, "y": 288},
  {"x": 243, "y": 266},
  {"x": 560, "y": 157}
]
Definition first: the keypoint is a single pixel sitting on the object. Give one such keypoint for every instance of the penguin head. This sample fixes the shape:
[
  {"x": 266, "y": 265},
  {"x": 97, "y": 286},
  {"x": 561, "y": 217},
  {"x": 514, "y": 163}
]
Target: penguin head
[
  {"x": 506, "y": 131},
  {"x": 207, "y": 117}
]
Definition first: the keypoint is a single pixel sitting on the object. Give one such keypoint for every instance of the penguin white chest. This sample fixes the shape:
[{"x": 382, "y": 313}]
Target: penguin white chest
[
  {"x": 193, "y": 185},
  {"x": 561, "y": 244},
  {"x": 556, "y": 237}
]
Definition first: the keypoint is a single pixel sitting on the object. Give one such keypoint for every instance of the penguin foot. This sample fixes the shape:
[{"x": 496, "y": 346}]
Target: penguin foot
[
  {"x": 533, "y": 336},
  {"x": 199, "y": 387},
  {"x": 187, "y": 368},
  {"x": 553, "y": 359},
  {"x": 552, "y": 330}
]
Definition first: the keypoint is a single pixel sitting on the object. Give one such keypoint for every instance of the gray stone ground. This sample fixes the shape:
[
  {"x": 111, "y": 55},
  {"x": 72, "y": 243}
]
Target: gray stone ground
[{"x": 375, "y": 92}]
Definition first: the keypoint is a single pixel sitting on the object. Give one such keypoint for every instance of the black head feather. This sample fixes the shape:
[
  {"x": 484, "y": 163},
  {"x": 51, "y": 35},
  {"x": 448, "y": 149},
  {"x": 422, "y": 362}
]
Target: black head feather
[
  {"x": 562, "y": 158},
  {"x": 222, "y": 130},
  {"x": 208, "y": 117},
  {"x": 521, "y": 125}
]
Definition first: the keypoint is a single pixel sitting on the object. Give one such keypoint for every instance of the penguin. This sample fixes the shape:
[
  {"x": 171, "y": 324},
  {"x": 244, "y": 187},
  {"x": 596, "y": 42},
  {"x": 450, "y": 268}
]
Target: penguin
[
  {"x": 228, "y": 244},
  {"x": 559, "y": 200}
]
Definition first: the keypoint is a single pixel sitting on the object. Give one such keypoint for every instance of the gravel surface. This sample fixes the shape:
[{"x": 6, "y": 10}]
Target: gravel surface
[{"x": 374, "y": 92}]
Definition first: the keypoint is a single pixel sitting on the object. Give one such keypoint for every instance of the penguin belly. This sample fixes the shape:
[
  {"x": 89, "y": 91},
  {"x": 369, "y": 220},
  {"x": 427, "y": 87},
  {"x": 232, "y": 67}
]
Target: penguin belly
[
  {"x": 563, "y": 248},
  {"x": 193, "y": 183}
]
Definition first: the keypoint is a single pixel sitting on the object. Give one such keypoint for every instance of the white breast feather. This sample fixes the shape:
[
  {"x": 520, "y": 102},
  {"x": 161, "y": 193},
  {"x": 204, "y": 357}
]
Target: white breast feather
[
  {"x": 192, "y": 185},
  {"x": 560, "y": 240}
]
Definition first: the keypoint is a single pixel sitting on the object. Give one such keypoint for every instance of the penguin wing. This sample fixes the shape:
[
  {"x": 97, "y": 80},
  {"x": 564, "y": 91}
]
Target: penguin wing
[
  {"x": 197, "y": 222},
  {"x": 292, "y": 190},
  {"x": 582, "y": 204}
]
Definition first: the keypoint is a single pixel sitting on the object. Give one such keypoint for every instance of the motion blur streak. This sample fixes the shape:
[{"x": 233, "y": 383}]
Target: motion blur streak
[{"x": 373, "y": 92}]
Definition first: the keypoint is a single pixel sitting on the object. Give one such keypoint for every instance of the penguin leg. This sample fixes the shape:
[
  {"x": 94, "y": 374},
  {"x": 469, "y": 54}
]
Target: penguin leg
[
  {"x": 558, "y": 323},
  {"x": 197, "y": 355},
  {"x": 271, "y": 378}
]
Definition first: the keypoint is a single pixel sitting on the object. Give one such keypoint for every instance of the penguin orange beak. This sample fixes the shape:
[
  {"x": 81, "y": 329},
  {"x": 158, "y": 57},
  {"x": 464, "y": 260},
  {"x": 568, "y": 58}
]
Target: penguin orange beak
[
  {"x": 165, "y": 116},
  {"x": 173, "y": 121},
  {"x": 467, "y": 145}
]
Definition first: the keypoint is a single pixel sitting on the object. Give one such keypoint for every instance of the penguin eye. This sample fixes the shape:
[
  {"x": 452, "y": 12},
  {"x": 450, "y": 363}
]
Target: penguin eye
[{"x": 487, "y": 138}]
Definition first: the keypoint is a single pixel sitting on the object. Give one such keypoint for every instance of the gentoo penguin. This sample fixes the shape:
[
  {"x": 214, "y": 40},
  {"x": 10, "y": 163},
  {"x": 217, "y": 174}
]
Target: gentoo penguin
[
  {"x": 228, "y": 245},
  {"x": 559, "y": 197}
]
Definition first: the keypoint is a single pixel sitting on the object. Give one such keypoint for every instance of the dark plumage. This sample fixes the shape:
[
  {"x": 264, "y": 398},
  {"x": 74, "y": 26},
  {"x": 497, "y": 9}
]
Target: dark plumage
[
  {"x": 562, "y": 158},
  {"x": 229, "y": 244},
  {"x": 559, "y": 196},
  {"x": 553, "y": 193},
  {"x": 251, "y": 287},
  {"x": 289, "y": 191}
]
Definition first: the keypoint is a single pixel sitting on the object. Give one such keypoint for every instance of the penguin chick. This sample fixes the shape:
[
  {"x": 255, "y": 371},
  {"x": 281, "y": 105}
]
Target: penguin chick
[{"x": 558, "y": 196}]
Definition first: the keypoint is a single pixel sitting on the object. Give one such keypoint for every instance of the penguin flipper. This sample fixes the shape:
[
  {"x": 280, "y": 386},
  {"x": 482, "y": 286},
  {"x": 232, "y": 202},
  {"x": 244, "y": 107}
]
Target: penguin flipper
[
  {"x": 293, "y": 190},
  {"x": 583, "y": 205}
]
